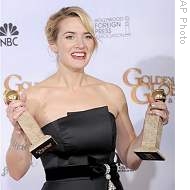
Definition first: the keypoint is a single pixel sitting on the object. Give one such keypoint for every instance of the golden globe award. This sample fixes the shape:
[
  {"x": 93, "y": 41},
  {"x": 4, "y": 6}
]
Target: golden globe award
[
  {"x": 153, "y": 125},
  {"x": 40, "y": 143}
]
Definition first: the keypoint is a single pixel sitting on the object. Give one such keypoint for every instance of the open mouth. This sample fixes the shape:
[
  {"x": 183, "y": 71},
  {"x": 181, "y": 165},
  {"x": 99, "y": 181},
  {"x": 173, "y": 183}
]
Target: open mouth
[{"x": 78, "y": 55}]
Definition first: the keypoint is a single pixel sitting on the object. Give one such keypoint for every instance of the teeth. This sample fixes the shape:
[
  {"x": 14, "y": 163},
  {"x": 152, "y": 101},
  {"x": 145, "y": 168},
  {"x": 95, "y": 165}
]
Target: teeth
[{"x": 78, "y": 54}]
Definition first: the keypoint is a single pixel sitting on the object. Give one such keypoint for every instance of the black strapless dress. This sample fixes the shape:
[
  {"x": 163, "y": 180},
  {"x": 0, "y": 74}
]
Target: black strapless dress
[{"x": 86, "y": 141}]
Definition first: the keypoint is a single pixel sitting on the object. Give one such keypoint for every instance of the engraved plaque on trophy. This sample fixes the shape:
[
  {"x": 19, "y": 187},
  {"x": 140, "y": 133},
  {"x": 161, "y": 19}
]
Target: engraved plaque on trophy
[
  {"x": 40, "y": 143},
  {"x": 153, "y": 125}
]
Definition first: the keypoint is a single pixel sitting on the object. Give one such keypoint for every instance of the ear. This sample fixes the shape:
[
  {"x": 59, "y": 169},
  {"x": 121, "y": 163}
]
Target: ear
[{"x": 53, "y": 48}]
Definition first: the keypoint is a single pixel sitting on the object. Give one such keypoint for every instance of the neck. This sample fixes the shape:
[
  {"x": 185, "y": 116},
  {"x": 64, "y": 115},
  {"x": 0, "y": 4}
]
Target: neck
[{"x": 71, "y": 79}]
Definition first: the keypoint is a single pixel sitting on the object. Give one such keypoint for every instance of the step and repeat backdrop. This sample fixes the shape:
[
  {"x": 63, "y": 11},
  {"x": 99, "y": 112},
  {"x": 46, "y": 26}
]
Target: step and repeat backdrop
[{"x": 136, "y": 52}]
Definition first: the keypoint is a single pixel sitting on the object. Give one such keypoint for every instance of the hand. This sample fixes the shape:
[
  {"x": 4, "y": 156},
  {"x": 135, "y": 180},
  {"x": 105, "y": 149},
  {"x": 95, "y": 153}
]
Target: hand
[
  {"x": 15, "y": 109},
  {"x": 159, "y": 108}
]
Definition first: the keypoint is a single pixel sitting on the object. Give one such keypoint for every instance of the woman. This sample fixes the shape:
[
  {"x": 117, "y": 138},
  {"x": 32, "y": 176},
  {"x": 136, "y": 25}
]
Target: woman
[{"x": 86, "y": 116}]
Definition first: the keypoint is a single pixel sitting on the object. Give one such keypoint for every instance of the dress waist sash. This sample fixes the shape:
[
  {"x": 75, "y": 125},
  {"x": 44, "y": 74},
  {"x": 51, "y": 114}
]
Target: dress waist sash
[
  {"x": 109, "y": 171},
  {"x": 91, "y": 171}
]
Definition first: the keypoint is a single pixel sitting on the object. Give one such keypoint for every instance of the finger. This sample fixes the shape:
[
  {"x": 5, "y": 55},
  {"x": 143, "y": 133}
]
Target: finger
[
  {"x": 160, "y": 113},
  {"x": 23, "y": 96},
  {"x": 18, "y": 129},
  {"x": 151, "y": 100},
  {"x": 9, "y": 109},
  {"x": 14, "y": 107},
  {"x": 20, "y": 109},
  {"x": 158, "y": 105},
  {"x": 18, "y": 113},
  {"x": 16, "y": 103},
  {"x": 15, "y": 114}
]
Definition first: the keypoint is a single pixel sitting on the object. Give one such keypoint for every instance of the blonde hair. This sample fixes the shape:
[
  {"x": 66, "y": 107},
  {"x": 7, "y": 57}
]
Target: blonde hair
[{"x": 52, "y": 28}]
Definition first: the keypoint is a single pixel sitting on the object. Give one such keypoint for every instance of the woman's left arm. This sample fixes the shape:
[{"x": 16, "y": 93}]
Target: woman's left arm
[{"x": 127, "y": 140}]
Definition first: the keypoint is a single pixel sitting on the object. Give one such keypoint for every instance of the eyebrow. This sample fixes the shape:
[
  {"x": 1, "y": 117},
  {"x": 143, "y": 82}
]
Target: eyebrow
[{"x": 70, "y": 32}]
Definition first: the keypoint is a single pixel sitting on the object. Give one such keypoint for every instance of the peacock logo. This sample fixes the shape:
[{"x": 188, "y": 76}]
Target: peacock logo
[
  {"x": 7, "y": 29},
  {"x": 8, "y": 35}
]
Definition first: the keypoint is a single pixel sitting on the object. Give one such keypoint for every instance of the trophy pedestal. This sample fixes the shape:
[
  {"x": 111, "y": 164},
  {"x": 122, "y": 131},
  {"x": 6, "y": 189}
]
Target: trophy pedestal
[
  {"x": 44, "y": 145},
  {"x": 147, "y": 154}
]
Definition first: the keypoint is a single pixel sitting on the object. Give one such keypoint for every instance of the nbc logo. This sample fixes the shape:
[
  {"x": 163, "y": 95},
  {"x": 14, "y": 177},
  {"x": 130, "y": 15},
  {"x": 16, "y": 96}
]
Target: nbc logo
[{"x": 8, "y": 35}]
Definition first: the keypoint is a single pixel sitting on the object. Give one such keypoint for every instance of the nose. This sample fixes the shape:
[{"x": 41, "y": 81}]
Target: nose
[{"x": 80, "y": 43}]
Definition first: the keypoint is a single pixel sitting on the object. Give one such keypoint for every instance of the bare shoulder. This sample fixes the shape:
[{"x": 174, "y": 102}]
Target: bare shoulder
[
  {"x": 109, "y": 88},
  {"x": 114, "y": 89},
  {"x": 111, "y": 92},
  {"x": 106, "y": 85},
  {"x": 116, "y": 96}
]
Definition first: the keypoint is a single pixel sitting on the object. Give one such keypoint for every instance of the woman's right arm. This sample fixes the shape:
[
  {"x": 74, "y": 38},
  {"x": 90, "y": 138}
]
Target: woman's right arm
[{"x": 18, "y": 157}]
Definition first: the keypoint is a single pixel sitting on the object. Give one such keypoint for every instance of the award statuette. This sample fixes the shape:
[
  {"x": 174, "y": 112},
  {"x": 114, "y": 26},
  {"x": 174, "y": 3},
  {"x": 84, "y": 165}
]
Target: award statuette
[
  {"x": 40, "y": 143},
  {"x": 153, "y": 125}
]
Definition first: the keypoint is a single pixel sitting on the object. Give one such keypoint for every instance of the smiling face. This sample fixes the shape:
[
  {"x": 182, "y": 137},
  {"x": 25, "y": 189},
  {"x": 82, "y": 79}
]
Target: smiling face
[{"x": 74, "y": 44}]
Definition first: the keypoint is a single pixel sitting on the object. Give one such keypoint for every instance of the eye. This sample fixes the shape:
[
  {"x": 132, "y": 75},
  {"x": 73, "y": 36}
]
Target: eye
[
  {"x": 70, "y": 37},
  {"x": 89, "y": 36}
]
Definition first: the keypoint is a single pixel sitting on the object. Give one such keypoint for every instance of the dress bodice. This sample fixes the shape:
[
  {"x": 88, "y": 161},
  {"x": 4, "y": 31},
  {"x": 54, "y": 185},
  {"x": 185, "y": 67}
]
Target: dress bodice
[{"x": 81, "y": 136}]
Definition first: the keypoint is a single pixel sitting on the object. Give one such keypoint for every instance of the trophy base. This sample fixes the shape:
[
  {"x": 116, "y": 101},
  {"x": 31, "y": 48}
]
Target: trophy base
[
  {"x": 147, "y": 154},
  {"x": 42, "y": 146}
]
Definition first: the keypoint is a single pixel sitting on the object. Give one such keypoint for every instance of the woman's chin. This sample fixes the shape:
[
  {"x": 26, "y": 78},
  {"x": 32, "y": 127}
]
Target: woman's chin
[
  {"x": 79, "y": 64},
  {"x": 78, "y": 67}
]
